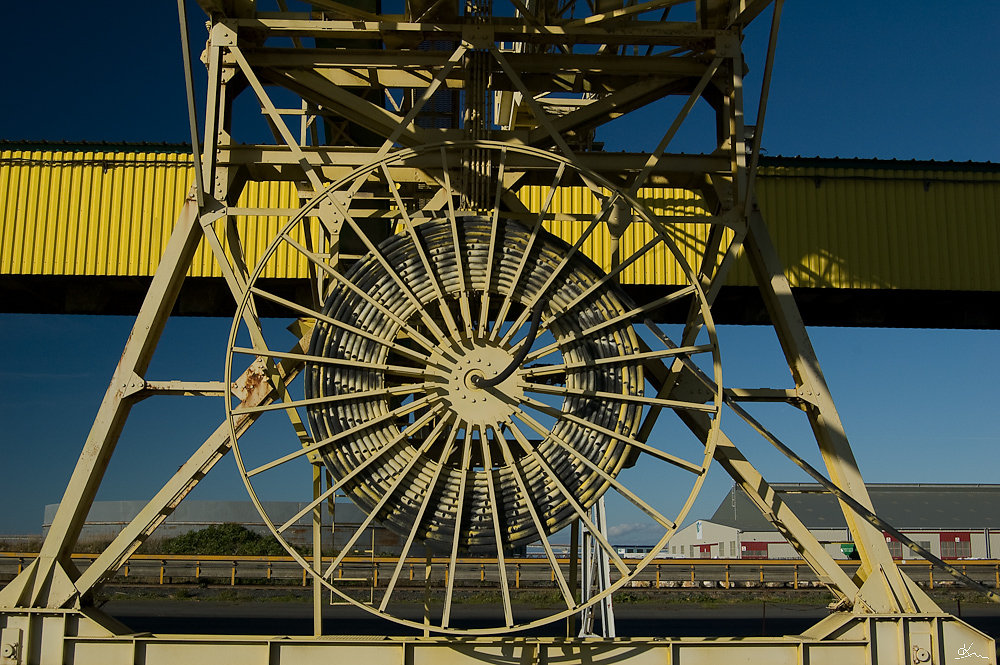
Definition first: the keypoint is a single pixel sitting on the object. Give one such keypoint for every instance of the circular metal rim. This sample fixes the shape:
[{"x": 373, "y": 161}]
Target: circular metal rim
[{"x": 656, "y": 224}]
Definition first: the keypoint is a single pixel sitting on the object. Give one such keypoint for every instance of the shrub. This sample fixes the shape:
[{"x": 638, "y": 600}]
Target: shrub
[{"x": 224, "y": 539}]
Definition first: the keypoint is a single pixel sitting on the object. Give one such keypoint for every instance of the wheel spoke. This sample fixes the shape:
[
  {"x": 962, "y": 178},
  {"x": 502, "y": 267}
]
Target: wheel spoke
[
  {"x": 617, "y": 270},
  {"x": 420, "y": 515},
  {"x": 395, "y": 413},
  {"x": 407, "y": 291},
  {"x": 276, "y": 373},
  {"x": 400, "y": 477},
  {"x": 624, "y": 491},
  {"x": 399, "y": 370},
  {"x": 563, "y": 391},
  {"x": 670, "y": 380},
  {"x": 466, "y": 463},
  {"x": 449, "y": 319},
  {"x": 484, "y": 308},
  {"x": 621, "y": 318},
  {"x": 516, "y": 280},
  {"x": 561, "y": 368},
  {"x": 463, "y": 290},
  {"x": 498, "y": 534},
  {"x": 564, "y": 261},
  {"x": 399, "y": 436},
  {"x": 415, "y": 334},
  {"x": 581, "y": 512},
  {"x": 308, "y": 311},
  {"x": 533, "y": 511},
  {"x": 405, "y": 389},
  {"x": 644, "y": 447},
  {"x": 669, "y": 343}
]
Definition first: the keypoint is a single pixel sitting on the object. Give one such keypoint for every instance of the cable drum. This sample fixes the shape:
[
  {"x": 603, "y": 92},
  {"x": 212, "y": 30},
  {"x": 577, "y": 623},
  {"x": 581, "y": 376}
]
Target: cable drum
[
  {"x": 392, "y": 462},
  {"x": 474, "y": 383}
]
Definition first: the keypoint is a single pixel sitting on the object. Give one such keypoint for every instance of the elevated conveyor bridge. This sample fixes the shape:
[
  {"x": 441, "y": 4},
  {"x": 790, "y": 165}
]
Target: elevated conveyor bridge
[{"x": 864, "y": 242}]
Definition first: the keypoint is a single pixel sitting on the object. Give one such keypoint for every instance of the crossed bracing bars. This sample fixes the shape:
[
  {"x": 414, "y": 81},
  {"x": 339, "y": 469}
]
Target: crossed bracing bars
[{"x": 736, "y": 226}]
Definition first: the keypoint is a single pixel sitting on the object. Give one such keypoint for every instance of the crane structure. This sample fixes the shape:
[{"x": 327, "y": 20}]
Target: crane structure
[{"x": 480, "y": 326}]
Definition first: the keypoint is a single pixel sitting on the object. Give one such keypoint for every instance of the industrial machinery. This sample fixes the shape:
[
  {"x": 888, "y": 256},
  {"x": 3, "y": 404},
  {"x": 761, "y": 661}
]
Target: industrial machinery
[{"x": 479, "y": 325}]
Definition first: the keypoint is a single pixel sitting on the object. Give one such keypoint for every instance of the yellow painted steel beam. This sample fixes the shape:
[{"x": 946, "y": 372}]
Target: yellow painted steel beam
[{"x": 835, "y": 224}]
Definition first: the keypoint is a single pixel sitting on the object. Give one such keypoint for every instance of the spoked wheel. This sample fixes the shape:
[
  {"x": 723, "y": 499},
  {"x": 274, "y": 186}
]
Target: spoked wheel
[{"x": 473, "y": 380}]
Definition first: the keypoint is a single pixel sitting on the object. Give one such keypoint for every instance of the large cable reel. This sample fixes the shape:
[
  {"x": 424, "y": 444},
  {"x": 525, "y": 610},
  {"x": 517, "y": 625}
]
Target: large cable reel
[{"x": 472, "y": 379}]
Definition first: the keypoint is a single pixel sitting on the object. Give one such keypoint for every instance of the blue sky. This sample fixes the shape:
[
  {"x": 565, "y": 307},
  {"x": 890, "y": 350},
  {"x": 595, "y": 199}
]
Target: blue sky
[{"x": 852, "y": 79}]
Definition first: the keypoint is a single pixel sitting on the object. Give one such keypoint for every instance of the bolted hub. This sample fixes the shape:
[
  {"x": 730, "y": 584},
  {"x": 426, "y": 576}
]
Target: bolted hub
[{"x": 460, "y": 385}]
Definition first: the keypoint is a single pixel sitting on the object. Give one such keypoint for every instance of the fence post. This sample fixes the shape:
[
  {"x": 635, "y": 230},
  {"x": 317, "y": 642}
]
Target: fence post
[
  {"x": 761, "y": 567},
  {"x": 411, "y": 572},
  {"x": 268, "y": 570},
  {"x": 517, "y": 576},
  {"x": 197, "y": 570},
  {"x": 232, "y": 576},
  {"x": 163, "y": 565},
  {"x": 728, "y": 586},
  {"x": 303, "y": 577},
  {"x": 692, "y": 573},
  {"x": 795, "y": 579},
  {"x": 20, "y": 565},
  {"x": 375, "y": 578},
  {"x": 930, "y": 576},
  {"x": 996, "y": 570},
  {"x": 482, "y": 572},
  {"x": 657, "y": 576}
]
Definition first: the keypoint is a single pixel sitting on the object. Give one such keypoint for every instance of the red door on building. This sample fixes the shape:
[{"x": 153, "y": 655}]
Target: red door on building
[
  {"x": 704, "y": 551},
  {"x": 753, "y": 550},
  {"x": 895, "y": 547},
  {"x": 956, "y": 545}
]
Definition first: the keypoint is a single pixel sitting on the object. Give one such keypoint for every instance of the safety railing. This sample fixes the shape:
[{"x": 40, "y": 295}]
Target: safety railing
[{"x": 525, "y": 572}]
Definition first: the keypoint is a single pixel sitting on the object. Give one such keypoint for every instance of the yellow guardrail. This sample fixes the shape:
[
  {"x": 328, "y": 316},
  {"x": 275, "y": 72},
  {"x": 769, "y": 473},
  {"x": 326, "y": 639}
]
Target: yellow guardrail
[{"x": 689, "y": 571}]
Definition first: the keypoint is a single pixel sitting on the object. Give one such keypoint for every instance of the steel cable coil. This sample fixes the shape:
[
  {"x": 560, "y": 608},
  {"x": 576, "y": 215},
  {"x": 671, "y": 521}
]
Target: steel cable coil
[{"x": 388, "y": 446}]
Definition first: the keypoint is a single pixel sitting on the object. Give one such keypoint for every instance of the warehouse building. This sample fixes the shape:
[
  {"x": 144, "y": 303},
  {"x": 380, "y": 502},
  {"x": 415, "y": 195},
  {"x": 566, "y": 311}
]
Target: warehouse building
[{"x": 951, "y": 521}]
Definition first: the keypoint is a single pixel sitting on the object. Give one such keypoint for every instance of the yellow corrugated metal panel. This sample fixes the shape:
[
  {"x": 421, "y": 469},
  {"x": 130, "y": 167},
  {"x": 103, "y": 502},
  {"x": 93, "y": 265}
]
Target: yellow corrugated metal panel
[
  {"x": 91, "y": 212},
  {"x": 110, "y": 214},
  {"x": 655, "y": 266},
  {"x": 884, "y": 228},
  {"x": 858, "y": 228},
  {"x": 88, "y": 213},
  {"x": 257, "y": 231}
]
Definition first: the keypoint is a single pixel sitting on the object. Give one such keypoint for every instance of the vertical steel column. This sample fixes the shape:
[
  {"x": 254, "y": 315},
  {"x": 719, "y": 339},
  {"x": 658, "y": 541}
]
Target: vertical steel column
[
  {"x": 35, "y": 584},
  {"x": 823, "y": 417}
]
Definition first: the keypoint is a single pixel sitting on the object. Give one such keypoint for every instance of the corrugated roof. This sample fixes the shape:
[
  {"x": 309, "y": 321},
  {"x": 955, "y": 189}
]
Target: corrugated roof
[{"x": 904, "y": 506}]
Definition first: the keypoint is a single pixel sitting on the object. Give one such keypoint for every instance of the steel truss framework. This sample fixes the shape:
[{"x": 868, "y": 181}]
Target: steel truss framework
[{"x": 466, "y": 369}]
